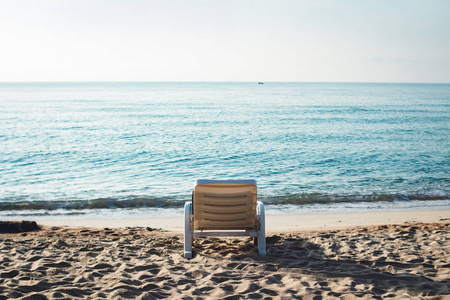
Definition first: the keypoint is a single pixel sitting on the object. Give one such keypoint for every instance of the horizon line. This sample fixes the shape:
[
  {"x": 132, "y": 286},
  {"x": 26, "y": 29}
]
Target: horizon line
[{"x": 179, "y": 81}]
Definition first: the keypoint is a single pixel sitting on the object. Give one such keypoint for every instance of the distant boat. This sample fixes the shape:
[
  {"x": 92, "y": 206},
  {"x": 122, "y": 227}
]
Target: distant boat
[{"x": 260, "y": 82}]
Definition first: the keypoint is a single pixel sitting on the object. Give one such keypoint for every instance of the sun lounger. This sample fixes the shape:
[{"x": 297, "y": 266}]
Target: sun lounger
[{"x": 224, "y": 208}]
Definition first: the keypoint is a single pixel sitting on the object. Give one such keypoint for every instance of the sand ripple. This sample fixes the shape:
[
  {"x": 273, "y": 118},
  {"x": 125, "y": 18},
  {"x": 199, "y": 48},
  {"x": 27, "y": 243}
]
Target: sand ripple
[{"x": 395, "y": 261}]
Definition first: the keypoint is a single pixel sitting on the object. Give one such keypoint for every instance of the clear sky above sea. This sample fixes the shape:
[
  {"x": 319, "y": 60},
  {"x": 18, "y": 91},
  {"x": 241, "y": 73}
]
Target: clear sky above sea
[{"x": 220, "y": 40}]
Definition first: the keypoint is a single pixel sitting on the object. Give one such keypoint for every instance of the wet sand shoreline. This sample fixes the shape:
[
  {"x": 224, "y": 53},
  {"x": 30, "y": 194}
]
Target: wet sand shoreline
[{"x": 274, "y": 223}]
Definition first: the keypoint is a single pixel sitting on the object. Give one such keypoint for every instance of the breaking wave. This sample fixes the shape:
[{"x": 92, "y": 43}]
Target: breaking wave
[{"x": 172, "y": 202}]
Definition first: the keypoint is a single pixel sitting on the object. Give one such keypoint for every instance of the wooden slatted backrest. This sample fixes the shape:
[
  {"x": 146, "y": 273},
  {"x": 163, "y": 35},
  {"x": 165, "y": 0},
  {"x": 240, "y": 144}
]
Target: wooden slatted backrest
[{"x": 225, "y": 205}]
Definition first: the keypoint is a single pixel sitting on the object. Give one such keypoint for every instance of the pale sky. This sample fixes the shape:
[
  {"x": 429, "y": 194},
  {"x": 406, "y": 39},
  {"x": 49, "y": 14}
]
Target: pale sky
[{"x": 220, "y": 40}]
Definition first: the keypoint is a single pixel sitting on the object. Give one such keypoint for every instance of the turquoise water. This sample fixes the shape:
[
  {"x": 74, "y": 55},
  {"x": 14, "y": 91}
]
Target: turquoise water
[{"x": 124, "y": 148}]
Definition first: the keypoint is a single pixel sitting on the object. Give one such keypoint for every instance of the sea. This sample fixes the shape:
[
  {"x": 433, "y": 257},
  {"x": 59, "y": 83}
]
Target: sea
[{"x": 134, "y": 149}]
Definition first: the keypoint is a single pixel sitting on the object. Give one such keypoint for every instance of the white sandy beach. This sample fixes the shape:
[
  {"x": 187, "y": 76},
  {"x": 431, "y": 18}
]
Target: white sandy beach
[{"x": 396, "y": 255}]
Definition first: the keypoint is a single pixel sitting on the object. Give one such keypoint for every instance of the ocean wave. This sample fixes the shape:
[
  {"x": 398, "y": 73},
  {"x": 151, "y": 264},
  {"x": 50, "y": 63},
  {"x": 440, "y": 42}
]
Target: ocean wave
[
  {"x": 169, "y": 202},
  {"x": 319, "y": 198},
  {"x": 100, "y": 203}
]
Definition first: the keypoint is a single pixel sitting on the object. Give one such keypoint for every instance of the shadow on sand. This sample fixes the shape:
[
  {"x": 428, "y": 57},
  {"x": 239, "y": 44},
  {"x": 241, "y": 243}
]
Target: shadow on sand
[{"x": 355, "y": 267}]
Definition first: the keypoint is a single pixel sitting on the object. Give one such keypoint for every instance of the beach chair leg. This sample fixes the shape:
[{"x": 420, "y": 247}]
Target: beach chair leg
[
  {"x": 187, "y": 231},
  {"x": 262, "y": 229}
]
